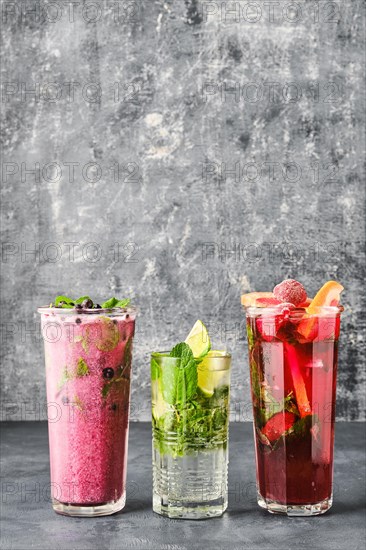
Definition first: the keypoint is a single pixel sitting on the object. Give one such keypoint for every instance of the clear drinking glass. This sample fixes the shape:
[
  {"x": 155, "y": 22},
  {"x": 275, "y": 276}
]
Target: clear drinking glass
[
  {"x": 190, "y": 436},
  {"x": 88, "y": 363},
  {"x": 293, "y": 367}
]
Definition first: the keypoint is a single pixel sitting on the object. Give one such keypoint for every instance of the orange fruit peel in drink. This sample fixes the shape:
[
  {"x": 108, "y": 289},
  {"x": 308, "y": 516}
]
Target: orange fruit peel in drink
[
  {"x": 302, "y": 399},
  {"x": 328, "y": 295}
]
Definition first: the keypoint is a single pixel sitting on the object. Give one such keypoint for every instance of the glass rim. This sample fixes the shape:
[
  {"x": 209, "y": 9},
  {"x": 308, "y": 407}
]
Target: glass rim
[
  {"x": 100, "y": 311},
  {"x": 275, "y": 310},
  {"x": 224, "y": 355},
  {"x": 215, "y": 363}
]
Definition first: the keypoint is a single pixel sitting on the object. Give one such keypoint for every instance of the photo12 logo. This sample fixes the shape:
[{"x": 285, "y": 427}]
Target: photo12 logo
[
  {"x": 311, "y": 252},
  {"x": 72, "y": 11},
  {"x": 73, "y": 252},
  {"x": 272, "y": 11},
  {"x": 71, "y": 171},
  {"x": 72, "y": 91},
  {"x": 271, "y": 92},
  {"x": 314, "y": 174}
]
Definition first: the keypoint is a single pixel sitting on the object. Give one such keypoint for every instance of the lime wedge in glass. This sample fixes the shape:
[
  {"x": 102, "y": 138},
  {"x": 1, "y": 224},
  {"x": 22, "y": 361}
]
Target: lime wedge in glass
[
  {"x": 199, "y": 340},
  {"x": 213, "y": 372},
  {"x": 159, "y": 407}
]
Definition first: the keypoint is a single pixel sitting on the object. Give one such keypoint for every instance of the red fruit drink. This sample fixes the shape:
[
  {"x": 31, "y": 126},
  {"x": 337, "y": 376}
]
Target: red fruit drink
[
  {"x": 88, "y": 363},
  {"x": 293, "y": 366}
]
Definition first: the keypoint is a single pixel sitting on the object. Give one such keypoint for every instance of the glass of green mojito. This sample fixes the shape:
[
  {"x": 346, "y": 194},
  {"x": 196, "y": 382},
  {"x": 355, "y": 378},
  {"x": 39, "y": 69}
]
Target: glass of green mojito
[{"x": 190, "y": 421}]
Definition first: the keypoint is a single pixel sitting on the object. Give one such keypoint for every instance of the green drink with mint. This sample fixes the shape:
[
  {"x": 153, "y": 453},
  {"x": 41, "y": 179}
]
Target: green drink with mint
[{"x": 190, "y": 419}]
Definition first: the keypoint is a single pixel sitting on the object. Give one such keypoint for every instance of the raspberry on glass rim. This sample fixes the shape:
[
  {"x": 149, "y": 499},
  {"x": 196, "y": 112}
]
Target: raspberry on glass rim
[{"x": 290, "y": 291}]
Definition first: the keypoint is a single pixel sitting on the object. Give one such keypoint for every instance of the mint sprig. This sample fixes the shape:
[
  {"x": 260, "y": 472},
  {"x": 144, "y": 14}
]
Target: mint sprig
[
  {"x": 114, "y": 302},
  {"x": 198, "y": 421},
  {"x": 65, "y": 302},
  {"x": 199, "y": 424},
  {"x": 179, "y": 382}
]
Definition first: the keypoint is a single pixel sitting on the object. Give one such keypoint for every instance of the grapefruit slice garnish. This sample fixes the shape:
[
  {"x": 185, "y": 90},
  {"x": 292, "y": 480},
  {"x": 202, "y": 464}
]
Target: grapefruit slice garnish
[
  {"x": 266, "y": 302},
  {"x": 328, "y": 295},
  {"x": 258, "y": 299}
]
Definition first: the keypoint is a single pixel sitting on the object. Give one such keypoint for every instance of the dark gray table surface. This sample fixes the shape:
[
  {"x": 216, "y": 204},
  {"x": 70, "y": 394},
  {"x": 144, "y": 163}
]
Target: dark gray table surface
[{"x": 28, "y": 520}]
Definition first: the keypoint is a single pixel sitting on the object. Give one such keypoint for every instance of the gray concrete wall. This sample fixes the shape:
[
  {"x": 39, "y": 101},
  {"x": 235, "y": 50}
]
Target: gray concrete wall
[{"x": 215, "y": 152}]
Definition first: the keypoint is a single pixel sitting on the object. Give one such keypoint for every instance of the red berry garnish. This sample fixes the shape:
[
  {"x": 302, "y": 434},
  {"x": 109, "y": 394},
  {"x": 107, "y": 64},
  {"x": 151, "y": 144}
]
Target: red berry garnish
[{"x": 290, "y": 291}]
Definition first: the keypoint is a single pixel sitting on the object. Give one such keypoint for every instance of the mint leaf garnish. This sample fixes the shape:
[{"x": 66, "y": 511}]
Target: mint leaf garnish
[
  {"x": 179, "y": 382},
  {"x": 289, "y": 405},
  {"x": 182, "y": 350},
  {"x": 250, "y": 336},
  {"x": 269, "y": 405},
  {"x": 108, "y": 336},
  {"x": 255, "y": 379},
  {"x": 186, "y": 385},
  {"x": 200, "y": 424},
  {"x": 265, "y": 403},
  {"x": 169, "y": 381},
  {"x": 81, "y": 299},
  {"x": 105, "y": 389},
  {"x": 83, "y": 340},
  {"x": 64, "y": 302},
  {"x": 114, "y": 302},
  {"x": 115, "y": 383},
  {"x": 303, "y": 425},
  {"x": 82, "y": 368},
  {"x": 123, "y": 303},
  {"x": 68, "y": 303}
]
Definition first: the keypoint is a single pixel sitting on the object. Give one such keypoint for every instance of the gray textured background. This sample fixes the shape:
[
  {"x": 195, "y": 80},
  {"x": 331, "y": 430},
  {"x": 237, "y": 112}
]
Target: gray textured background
[{"x": 173, "y": 130}]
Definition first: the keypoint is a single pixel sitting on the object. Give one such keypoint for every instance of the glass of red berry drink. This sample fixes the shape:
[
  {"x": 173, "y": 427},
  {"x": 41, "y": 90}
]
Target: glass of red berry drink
[
  {"x": 88, "y": 355},
  {"x": 293, "y": 352}
]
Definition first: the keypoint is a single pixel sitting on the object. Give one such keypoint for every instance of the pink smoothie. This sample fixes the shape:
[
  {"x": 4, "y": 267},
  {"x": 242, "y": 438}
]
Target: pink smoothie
[{"x": 88, "y": 367}]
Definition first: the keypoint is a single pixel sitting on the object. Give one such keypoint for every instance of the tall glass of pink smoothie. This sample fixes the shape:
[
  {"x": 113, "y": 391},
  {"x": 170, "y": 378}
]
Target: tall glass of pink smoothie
[{"x": 88, "y": 365}]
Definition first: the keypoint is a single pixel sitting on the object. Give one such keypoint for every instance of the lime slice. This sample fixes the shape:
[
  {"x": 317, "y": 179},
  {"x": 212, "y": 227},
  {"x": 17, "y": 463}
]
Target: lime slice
[
  {"x": 159, "y": 407},
  {"x": 213, "y": 373},
  {"x": 199, "y": 340}
]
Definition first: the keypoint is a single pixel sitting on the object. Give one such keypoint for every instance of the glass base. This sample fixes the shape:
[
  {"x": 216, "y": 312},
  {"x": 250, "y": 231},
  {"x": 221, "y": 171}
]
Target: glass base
[
  {"x": 192, "y": 486},
  {"x": 188, "y": 510},
  {"x": 90, "y": 511},
  {"x": 295, "y": 510}
]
